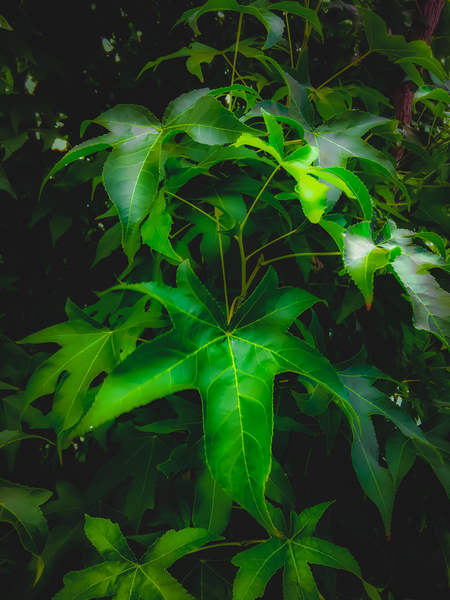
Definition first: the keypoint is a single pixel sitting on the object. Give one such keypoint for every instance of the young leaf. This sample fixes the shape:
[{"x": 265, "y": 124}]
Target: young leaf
[
  {"x": 233, "y": 368},
  {"x": 121, "y": 575}
]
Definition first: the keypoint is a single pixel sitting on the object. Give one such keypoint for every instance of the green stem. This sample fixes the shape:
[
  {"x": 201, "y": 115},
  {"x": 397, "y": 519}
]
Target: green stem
[
  {"x": 258, "y": 197},
  {"x": 267, "y": 262},
  {"x": 243, "y": 261},
  {"x": 236, "y": 53},
  {"x": 272, "y": 242},
  {"x": 223, "y": 264},
  {"x": 307, "y": 33},
  {"x": 352, "y": 64},
  {"x": 286, "y": 16},
  {"x": 244, "y": 543},
  {"x": 192, "y": 206},
  {"x": 231, "y": 65}
]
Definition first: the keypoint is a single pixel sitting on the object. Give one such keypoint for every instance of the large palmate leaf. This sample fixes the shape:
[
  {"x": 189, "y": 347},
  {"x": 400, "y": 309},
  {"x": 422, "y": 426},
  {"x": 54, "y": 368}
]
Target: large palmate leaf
[
  {"x": 274, "y": 25},
  {"x": 409, "y": 263},
  {"x": 87, "y": 350},
  {"x": 407, "y": 55},
  {"x": 132, "y": 171},
  {"x": 233, "y": 367},
  {"x": 294, "y": 554},
  {"x": 121, "y": 575}
]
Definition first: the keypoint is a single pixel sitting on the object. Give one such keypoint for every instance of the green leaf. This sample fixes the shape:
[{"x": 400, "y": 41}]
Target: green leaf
[
  {"x": 197, "y": 53},
  {"x": 353, "y": 300},
  {"x": 9, "y": 437},
  {"x": 19, "y": 505},
  {"x": 132, "y": 172},
  {"x": 366, "y": 400},
  {"x": 407, "y": 55},
  {"x": 431, "y": 304},
  {"x": 139, "y": 458},
  {"x": 155, "y": 231},
  {"x": 5, "y": 185},
  {"x": 294, "y": 553},
  {"x": 87, "y": 350},
  {"x": 233, "y": 368},
  {"x": 212, "y": 506},
  {"x": 121, "y": 575},
  {"x": 362, "y": 258},
  {"x": 273, "y": 24}
]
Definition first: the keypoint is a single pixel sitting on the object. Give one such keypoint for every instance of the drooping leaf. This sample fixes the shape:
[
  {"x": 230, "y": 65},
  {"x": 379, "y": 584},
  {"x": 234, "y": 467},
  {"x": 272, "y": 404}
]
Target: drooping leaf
[
  {"x": 232, "y": 367},
  {"x": 431, "y": 303},
  {"x": 362, "y": 258},
  {"x": 121, "y": 575},
  {"x": 19, "y": 505},
  {"x": 139, "y": 458},
  {"x": 367, "y": 400}
]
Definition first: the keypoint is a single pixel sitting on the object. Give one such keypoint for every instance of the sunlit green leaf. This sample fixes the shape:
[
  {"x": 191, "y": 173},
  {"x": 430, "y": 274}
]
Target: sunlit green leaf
[{"x": 233, "y": 368}]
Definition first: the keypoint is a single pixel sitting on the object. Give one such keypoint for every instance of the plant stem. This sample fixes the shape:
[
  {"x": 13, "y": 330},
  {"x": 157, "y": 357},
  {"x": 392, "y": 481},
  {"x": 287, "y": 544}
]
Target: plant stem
[
  {"x": 243, "y": 260},
  {"x": 345, "y": 68},
  {"x": 216, "y": 211},
  {"x": 286, "y": 16},
  {"x": 244, "y": 543},
  {"x": 272, "y": 242},
  {"x": 258, "y": 197},
  {"x": 192, "y": 206},
  {"x": 236, "y": 53},
  {"x": 231, "y": 65},
  {"x": 267, "y": 262}
]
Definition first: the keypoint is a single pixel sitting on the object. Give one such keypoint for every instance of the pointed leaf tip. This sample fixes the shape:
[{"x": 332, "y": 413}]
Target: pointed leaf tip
[{"x": 368, "y": 306}]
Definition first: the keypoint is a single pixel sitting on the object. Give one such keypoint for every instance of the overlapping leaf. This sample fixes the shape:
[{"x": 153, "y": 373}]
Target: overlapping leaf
[
  {"x": 311, "y": 191},
  {"x": 19, "y": 505},
  {"x": 336, "y": 142},
  {"x": 409, "y": 263},
  {"x": 139, "y": 458},
  {"x": 121, "y": 575},
  {"x": 132, "y": 171},
  {"x": 232, "y": 367},
  {"x": 366, "y": 400},
  {"x": 87, "y": 350}
]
